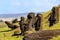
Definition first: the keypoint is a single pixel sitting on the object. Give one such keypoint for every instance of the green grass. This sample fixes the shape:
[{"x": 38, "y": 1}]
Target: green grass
[
  {"x": 7, "y": 35},
  {"x": 4, "y": 35},
  {"x": 56, "y": 38}
]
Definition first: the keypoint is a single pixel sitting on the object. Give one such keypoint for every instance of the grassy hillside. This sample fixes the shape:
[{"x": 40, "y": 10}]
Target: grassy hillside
[
  {"x": 5, "y": 34},
  {"x": 45, "y": 24}
]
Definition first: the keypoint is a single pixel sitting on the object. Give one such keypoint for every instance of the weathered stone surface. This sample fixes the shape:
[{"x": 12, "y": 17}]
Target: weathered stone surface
[
  {"x": 38, "y": 21},
  {"x": 15, "y": 20},
  {"x": 54, "y": 16},
  {"x": 30, "y": 19},
  {"x": 10, "y": 25},
  {"x": 42, "y": 35},
  {"x": 23, "y": 25}
]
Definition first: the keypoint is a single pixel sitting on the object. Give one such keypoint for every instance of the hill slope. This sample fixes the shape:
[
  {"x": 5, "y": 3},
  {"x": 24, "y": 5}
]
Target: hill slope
[
  {"x": 4, "y": 35},
  {"x": 45, "y": 22},
  {"x": 46, "y": 25}
]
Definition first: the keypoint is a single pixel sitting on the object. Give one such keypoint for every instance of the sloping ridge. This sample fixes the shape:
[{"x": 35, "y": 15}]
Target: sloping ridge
[
  {"x": 47, "y": 32},
  {"x": 45, "y": 22}
]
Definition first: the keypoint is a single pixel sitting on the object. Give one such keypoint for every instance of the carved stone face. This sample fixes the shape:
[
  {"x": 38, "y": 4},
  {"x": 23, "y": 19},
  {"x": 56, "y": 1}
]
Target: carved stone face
[
  {"x": 53, "y": 9},
  {"x": 22, "y": 18},
  {"x": 15, "y": 19},
  {"x": 31, "y": 15},
  {"x": 39, "y": 15},
  {"x": 7, "y": 22}
]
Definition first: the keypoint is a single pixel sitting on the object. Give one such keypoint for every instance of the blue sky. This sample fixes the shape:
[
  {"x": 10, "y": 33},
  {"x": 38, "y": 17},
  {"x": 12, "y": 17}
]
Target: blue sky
[{"x": 25, "y": 6}]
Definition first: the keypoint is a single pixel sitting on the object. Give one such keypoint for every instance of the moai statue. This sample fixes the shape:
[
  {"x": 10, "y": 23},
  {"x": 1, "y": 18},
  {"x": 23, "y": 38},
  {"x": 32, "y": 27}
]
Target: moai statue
[
  {"x": 38, "y": 22},
  {"x": 15, "y": 20},
  {"x": 30, "y": 18},
  {"x": 10, "y": 25},
  {"x": 23, "y": 26},
  {"x": 53, "y": 19},
  {"x": 59, "y": 11}
]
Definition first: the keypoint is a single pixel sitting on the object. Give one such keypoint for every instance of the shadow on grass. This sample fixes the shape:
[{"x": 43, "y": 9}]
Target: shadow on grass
[{"x": 6, "y": 31}]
